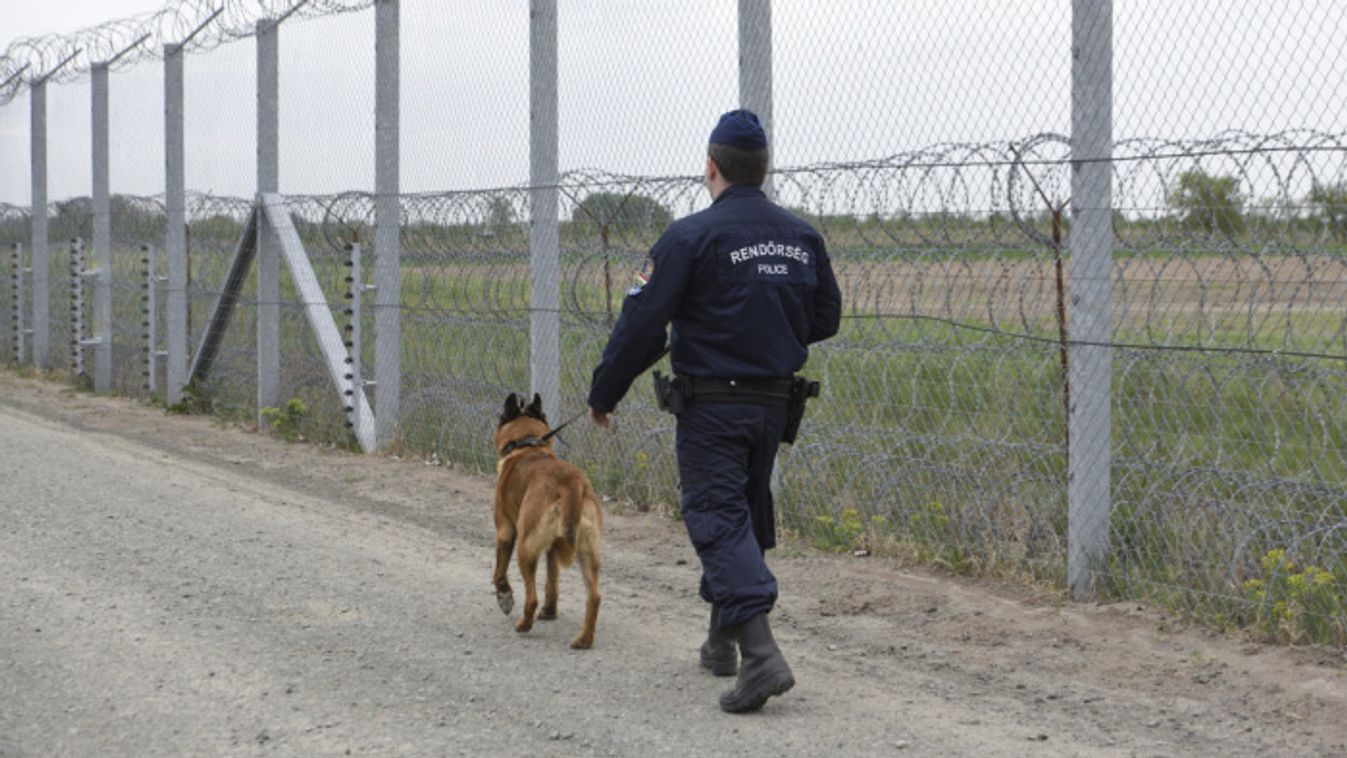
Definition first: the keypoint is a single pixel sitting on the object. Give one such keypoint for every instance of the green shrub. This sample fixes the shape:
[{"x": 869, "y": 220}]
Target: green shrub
[
  {"x": 839, "y": 533},
  {"x": 1296, "y": 605},
  {"x": 285, "y": 421}
]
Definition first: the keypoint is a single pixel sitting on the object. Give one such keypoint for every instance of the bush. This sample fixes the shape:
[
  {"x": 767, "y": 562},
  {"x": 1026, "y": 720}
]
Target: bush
[
  {"x": 1296, "y": 605},
  {"x": 285, "y": 421},
  {"x": 1209, "y": 203}
]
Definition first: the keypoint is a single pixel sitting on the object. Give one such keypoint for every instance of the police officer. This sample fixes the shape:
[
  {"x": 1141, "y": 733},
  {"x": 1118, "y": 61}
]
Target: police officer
[{"x": 747, "y": 286}]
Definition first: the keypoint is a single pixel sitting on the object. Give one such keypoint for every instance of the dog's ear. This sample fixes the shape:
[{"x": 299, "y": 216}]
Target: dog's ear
[
  {"x": 535, "y": 408},
  {"x": 511, "y": 411}
]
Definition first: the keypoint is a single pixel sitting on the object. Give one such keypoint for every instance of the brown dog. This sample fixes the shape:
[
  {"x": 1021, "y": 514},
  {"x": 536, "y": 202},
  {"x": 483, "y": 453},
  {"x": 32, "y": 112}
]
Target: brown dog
[{"x": 543, "y": 505}]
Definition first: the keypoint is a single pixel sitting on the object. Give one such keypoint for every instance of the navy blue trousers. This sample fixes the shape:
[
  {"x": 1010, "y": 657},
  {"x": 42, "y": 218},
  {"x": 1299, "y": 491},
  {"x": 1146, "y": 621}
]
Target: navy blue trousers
[{"x": 725, "y": 456}]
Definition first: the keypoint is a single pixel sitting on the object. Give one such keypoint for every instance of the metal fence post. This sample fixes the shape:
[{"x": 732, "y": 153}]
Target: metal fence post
[
  {"x": 149, "y": 308},
  {"x": 755, "y": 68},
  {"x": 20, "y": 318},
  {"x": 102, "y": 232},
  {"x": 268, "y": 251},
  {"x": 38, "y": 256},
  {"x": 1091, "y": 360},
  {"x": 388, "y": 223},
  {"x": 355, "y": 295},
  {"x": 544, "y": 227},
  {"x": 175, "y": 237},
  {"x": 78, "y": 273}
]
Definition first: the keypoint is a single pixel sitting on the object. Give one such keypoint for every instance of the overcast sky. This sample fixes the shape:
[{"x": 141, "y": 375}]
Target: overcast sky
[
  {"x": 642, "y": 81},
  {"x": 27, "y": 18}
]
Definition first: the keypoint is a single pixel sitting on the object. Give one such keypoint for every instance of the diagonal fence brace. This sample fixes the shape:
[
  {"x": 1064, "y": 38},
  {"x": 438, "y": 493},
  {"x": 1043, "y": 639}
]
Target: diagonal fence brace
[
  {"x": 319, "y": 314},
  {"x": 270, "y": 213},
  {"x": 244, "y": 253}
]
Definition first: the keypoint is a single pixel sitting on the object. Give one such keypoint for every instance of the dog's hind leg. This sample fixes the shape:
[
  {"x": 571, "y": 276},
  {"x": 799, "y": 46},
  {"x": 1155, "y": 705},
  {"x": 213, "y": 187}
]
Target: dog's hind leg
[
  {"x": 549, "y": 609},
  {"x": 505, "y": 538},
  {"x": 528, "y": 567},
  {"x": 589, "y": 568}
]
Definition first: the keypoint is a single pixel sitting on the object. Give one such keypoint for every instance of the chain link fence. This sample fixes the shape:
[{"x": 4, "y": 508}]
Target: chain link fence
[{"x": 933, "y": 148}]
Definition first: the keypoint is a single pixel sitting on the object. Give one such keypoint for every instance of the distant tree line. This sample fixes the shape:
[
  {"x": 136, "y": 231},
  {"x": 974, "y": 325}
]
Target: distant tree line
[{"x": 1202, "y": 203}]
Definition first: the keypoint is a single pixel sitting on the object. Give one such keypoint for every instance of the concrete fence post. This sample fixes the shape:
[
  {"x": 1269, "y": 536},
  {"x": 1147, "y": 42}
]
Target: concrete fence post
[
  {"x": 755, "y": 68},
  {"x": 1089, "y": 458},
  {"x": 39, "y": 257},
  {"x": 268, "y": 251},
  {"x": 544, "y": 227},
  {"x": 102, "y": 232},
  {"x": 387, "y": 224},
  {"x": 175, "y": 236}
]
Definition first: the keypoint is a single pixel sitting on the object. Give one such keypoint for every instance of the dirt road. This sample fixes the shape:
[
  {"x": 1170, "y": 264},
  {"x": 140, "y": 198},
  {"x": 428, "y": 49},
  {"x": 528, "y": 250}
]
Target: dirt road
[{"x": 175, "y": 586}]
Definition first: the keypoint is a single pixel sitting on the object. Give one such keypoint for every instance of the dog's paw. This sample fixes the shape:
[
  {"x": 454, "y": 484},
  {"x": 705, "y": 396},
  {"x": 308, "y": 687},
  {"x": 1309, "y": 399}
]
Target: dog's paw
[
  {"x": 547, "y": 614},
  {"x": 524, "y": 625},
  {"x": 505, "y": 599},
  {"x": 582, "y": 643}
]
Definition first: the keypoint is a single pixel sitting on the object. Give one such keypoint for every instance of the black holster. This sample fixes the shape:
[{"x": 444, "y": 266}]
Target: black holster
[
  {"x": 801, "y": 389},
  {"x": 669, "y": 393}
]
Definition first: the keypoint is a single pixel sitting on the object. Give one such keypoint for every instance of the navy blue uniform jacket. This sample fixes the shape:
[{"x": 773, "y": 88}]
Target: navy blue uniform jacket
[{"x": 747, "y": 285}]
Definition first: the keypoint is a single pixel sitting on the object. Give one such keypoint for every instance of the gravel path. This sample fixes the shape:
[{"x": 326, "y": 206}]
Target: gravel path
[{"x": 177, "y": 586}]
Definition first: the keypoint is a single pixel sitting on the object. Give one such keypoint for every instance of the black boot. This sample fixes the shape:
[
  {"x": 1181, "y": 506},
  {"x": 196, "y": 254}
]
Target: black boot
[
  {"x": 764, "y": 672},
  {"x": 718, "y": 653}
]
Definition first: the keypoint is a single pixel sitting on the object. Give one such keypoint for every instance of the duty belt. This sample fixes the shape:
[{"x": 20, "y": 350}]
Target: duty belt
[
  {"x": 733, "y": 390},
  {"x": 673, "y": 395}
]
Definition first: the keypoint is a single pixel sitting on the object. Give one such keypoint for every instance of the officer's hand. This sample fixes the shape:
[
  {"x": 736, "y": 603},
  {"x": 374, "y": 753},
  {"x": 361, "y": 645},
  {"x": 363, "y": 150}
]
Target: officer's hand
[{"x": 599, "y": 417}]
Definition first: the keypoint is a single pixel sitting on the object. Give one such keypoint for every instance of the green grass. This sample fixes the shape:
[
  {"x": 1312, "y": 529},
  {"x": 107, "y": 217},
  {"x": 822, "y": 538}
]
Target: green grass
[
  {"x": 951, "y": 445},
  {"x": 939, "y": 442}
]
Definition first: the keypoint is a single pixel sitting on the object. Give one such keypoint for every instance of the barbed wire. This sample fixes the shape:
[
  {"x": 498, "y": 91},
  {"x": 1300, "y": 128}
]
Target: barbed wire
[
  {"x": 911, "y": 231},
  {"x": 194, "y": 25},
  {"x": 942, "y": 186}
]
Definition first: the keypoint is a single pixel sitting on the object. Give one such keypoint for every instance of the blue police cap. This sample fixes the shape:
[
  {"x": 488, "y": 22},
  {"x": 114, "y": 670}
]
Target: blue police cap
[{"x": 740, "y": 129}]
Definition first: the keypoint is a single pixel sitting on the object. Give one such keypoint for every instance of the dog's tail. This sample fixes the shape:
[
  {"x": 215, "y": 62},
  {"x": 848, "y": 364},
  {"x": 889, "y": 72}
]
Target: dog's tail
[
  {"x": 567, "y": 506},
  {"x": 573, "y": 502}
]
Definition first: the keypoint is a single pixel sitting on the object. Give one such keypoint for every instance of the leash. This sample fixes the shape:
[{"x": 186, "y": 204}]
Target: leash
[
  {"x": 563, "y": 425},
  {"x": 514, "y": 445},
  {"x": 540, "y": 441}
]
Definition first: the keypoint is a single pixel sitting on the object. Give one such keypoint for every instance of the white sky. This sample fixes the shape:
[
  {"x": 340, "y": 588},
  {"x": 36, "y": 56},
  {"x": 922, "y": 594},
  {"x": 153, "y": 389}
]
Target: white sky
[
  {"x": 28, "y": 18},
  {"x": 642, "y": 81}
]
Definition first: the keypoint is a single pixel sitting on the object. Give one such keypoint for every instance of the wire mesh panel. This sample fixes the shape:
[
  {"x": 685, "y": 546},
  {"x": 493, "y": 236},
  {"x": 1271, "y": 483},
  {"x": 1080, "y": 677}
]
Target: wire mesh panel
[
  {"x": 859, "y": 80},
  {"x": 69, "y": 222},
  {"x": 326, "y": 104},
  {"x": 464, "y": 95},
  {"x": 69, "y": 212},
  {"x": 465, "y": 328},
  {"x": 215, "y": 225},
  {"x": 69, "y": 174},
  {"x": 137, "y": 220},
  {"x": 465, "y": 224},
  {"x": 15, "y": 229},
  {"x": 321, "y": 412},
  {"x": 952, "y": 299},
  {"x": 14, "y": 152},
  {"x": 609, "y": 223},
  {"x": 931, "y": 144},
  {"x": 1230, "y": 479},
  {"x": 137, "y": 224}
]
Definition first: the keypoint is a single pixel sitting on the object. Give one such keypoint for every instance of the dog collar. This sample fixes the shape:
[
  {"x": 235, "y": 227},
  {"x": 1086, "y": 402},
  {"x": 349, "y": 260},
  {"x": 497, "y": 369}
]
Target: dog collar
[{"x": 514, "y": 445}]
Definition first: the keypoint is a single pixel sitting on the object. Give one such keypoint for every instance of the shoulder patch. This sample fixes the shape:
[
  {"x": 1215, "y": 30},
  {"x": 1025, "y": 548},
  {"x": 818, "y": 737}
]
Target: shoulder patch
[{"x": 643, "y": 276}]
